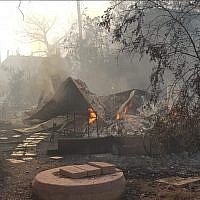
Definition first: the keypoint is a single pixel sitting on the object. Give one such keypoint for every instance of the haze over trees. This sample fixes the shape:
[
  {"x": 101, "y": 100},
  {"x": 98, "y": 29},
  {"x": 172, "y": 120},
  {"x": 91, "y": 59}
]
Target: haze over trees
[
  {"x": 163, "y": 33},
  {"x": 37, "y": 30},
  {"x": 96, "y": 54},
  {"x": 32, "y": 76},
  {"x": 166, "y": 31}
]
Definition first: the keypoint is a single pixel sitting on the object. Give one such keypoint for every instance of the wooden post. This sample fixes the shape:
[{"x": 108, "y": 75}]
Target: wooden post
[
  {"x": 88, "y": 130},
  {"x": 80, "y": 33},
  {"x": 97, "y": 125},
  {"x": 74, "y": 122},
  {"x": 67, "y": 116},
  {"x": 79, "y": 20}
]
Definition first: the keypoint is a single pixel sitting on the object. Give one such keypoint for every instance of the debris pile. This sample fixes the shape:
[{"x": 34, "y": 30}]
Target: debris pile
[
  {"x": 129, "y": 119},
  {"x": 74, "y": 108},
  {"x": 130, "y": 125}
]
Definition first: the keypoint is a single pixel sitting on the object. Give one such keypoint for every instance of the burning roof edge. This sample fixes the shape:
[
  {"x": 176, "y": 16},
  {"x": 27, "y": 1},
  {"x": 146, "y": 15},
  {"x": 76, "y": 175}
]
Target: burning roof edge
[
  {"x": 113, "y": 102},
  {"x": 90, "y": 98}
]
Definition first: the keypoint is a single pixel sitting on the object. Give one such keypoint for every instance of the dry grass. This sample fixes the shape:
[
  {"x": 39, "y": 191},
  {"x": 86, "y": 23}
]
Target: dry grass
[{"x": 176, "y": 195}]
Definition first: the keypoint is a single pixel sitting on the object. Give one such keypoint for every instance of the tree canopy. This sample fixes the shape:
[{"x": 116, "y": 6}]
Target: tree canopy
[
  {"x": 95, "y": 54},
  {"x": 168, "y": 32}
]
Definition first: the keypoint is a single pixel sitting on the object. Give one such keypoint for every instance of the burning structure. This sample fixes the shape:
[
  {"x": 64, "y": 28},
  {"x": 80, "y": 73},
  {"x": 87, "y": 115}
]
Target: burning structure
[
  {"x": 83, "y": 108},
  {"x": 73, "y": 100},
  {"x": 124, "y": 111},
  {"x": 74, "y": 112},
  {"x": 126, "y": 102},
  {"x": 135, "y": 100}
]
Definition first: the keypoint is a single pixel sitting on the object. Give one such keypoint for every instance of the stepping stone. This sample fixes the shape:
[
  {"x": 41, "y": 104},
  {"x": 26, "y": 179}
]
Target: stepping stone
[
  {"x": 91, "y": 170},
  {"x": 15, "y": 161},
  {"x": 106, "y": 168},
  {"x": 27, "y": 159},
  {"x": 3, "y": 138},
  {"x": 17, "y": 154},
  {"x": 20, "y": 145},
  {"x": 179, "y": 181},
  {"x": 56, "y": 157},
  {"x": 40, "y": 138},
  {"x": 16, "y": 136},
  {"x": 29, "y": 138},
  {"x": 33, "y": 136},
  {"x": 72, "y": 172}
]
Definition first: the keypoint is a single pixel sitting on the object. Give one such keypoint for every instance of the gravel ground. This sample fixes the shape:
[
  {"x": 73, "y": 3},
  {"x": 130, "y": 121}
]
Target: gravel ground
[{"x": 140, "y": 172}]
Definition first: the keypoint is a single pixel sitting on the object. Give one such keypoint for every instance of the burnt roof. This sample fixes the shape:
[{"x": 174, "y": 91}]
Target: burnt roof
[{"x": 72, "y": 96}]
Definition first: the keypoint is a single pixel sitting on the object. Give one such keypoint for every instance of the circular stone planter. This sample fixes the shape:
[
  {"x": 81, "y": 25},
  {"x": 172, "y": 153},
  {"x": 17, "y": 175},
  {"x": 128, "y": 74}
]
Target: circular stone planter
[{"x": 48, "y": 185}]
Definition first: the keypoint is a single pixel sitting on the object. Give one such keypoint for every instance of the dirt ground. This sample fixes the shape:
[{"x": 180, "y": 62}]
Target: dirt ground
[{"x": 141, "y": 173}]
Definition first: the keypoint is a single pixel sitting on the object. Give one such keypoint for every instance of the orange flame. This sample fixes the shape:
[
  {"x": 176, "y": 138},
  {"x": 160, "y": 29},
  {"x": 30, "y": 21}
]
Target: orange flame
[
  {"x": 92, "y": 116},
  {"x": 121, "y": 114},
  {"x": 118, "y": 116}
]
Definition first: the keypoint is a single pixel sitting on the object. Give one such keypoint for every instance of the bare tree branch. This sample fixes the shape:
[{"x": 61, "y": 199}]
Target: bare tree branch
[
  {"x": 37, "y": 29},
  {"x": 20, "y": 9}
]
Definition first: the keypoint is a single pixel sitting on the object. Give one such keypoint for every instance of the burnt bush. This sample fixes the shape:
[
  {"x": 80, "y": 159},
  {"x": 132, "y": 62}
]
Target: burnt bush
[{"x": 177, "y": 131}]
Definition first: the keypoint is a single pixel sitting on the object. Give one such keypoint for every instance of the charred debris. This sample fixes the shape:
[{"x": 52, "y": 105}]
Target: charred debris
[{"x": 81, "y": 111}]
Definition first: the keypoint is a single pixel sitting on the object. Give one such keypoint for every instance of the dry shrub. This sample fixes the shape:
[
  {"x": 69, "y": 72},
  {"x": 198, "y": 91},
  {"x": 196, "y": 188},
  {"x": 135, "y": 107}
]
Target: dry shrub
[
  {"x": 175, "y": 195},
  {"x": 177, "y": 131}
]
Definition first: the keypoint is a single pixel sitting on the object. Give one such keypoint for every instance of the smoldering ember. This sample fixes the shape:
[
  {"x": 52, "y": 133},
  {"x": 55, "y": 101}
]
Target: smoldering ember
[{"x": 100, "y": 100}]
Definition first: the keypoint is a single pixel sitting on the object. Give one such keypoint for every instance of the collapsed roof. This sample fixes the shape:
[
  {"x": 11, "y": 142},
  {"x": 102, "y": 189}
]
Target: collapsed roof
[
  {"x": 135, "y": 101},
  {"x": 114, "y": 103},
  {"x": 72, "y": 96}
]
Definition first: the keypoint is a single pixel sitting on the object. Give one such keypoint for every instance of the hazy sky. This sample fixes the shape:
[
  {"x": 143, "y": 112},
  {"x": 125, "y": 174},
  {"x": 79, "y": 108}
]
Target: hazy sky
[{"x": 11, "y": 19}]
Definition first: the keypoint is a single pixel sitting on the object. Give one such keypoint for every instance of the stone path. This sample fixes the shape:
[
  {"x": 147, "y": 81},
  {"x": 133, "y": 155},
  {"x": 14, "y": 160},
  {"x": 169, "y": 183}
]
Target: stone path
[{"x": 27, "y": 149}]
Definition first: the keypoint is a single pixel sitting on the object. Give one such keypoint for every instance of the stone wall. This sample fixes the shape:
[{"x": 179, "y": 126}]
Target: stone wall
[{"x": 115, "y": 145}]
